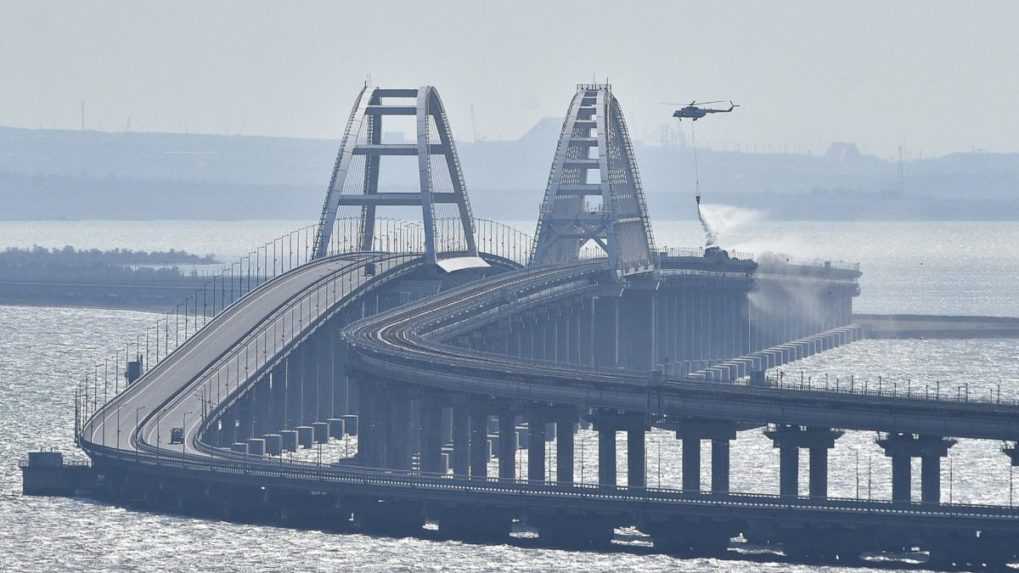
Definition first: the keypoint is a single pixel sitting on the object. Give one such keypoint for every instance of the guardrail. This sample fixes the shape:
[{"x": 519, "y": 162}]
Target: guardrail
[
  {"x": 352, "y": 475},
  {"x": 110, "y": 376}
]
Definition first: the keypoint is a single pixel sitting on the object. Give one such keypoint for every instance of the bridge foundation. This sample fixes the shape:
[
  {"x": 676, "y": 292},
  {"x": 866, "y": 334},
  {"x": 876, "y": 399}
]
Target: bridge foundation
[
  {"x": 789, "y": 440},
  {"x": 474, "y": 524},
  {"x": 571, "y": 531},
  {"x": 691, "y": 536},
  {"x": 902, "y": 448}
]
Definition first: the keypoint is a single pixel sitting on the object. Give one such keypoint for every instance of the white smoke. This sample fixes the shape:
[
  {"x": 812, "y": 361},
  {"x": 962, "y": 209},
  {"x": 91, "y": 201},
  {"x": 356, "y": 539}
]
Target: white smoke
[
  {"x": 725, "y": 221},
  {"x": 710, "y": 237}
]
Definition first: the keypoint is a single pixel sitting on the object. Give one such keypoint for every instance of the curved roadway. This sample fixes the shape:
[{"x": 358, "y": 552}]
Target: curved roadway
[
  {"x": 411, "y": 344},
  {"x": 247, "y": 338},
  {"x": 408, "y": 343}
]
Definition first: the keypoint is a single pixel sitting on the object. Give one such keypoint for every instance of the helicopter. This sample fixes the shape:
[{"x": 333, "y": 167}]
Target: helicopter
[{"x": 694, "y": 111}]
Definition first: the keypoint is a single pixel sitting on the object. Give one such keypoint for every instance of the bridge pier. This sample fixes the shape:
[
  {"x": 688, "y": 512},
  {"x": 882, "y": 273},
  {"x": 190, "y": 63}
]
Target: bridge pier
[
  {"x": 374, "y": 439},
  {"x": 720, "y": 432},
  {"x": 308, "y": 356},
  {"x": 789, "y": 440},
  {"x": 461, "y": 437},
  {"x": 325, "y": 344},
  {"x": 607, "y": 456},
  {"x": 261, "y": 395},
  {"x": 507, "y": 444},
  {"x": 930, "y": 449},
  {"x": 605, "y": 336},
  {"x": 292, "y": 398},
  {"x": 537, "y": 416},
  {"x": 398, "y": 441},
  {"x": 479, "y": 440},
  {"x": 245, "y": 417},
  {"x": 228, "y": 427},
  {"x": 277, "y": 398},
  {"x": 637, "y": 319},
  {"x": 606, "y": 423},
  {"x": 566, "y": 420},
  {"x": 431, "y": 433}
]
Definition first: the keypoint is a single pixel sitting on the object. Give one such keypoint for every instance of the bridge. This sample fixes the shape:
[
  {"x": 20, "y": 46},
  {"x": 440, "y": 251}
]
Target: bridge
[{"x": 448, "y": 345}]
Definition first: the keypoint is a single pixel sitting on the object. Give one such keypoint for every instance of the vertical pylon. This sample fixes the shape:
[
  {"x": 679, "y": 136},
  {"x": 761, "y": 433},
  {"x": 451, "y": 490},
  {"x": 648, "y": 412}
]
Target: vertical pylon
[
  {"x": 355, "y": 177},
  {"x": 594, "y": 192}
]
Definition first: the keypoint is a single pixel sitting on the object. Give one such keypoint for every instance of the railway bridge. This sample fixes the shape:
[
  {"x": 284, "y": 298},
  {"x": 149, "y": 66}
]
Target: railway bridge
[{"x": 448, "y": 346}]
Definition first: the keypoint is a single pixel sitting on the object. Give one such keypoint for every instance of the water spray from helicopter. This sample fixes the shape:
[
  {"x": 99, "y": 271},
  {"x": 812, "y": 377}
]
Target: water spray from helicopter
[{"x": 695, "y": 111}]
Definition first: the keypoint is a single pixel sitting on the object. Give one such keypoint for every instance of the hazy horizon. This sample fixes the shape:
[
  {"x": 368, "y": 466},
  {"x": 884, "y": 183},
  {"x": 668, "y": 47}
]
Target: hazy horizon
[{"x": 932, "y": 78}]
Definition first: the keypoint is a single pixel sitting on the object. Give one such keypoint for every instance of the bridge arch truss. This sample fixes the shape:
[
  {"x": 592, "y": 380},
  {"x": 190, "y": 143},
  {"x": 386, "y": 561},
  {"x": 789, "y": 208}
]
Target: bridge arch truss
[{"x": 355, "y": 177}]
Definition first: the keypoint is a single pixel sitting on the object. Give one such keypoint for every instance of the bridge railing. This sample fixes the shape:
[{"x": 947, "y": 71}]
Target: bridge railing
[
  {"x": 339, "y": 474},
  {"x": 763, "y": 258},
  {"x": 111, "y": 375},
  {"x": 902, "y": 388}
]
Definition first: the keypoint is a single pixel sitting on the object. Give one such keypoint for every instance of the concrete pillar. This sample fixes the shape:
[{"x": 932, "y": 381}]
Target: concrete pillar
[
  {"x": 245, "y": 417},
  {"x": 536, "y": 419},
  {"x": 637, "y": 322},
  {"x": 719, "y": 466},
  {"x": 261, "y": 414},
  {"x": 273, "y": 444},
  {"x": 930, "y": 449},
  {"x": 819, "y": 472},
  {"x": 338, "y": 383},
  {"x": 789, "y": 440},
  {"x": 293, "y": 392},
  {"x": 381, "y": 427},
  {"x": 461, "y": 440},
  {"x": 902, "y": 478},
  {"x": 277, "y": 398},
  {"x": 289, "y": 439},
  {"x": 399, "y": 439},
  {"x": 366, "y": 450},
  {"x": 324, "y": 373},
  {"x": 305, "y": 436},
  {"x": 321, "y": 432},
  {"x": 606, "y": 332},
  {"x": 507, "y": 445},
  {"x": 227, "y": 426},
  {"x": 720, "y": 432},
  {"x": 564, "y": 448},
  {"x": 309, "y": 384},
  {"x": 930, "y": 478},
  {"x": 607, "y": 457},
  {"x": 431, "y": 434},
  {"x": 789, "y": 471},
  {"x": 636, "y": 454},
  {"x": 479, "y": 442},
  {"x": 691, "y": 464}
]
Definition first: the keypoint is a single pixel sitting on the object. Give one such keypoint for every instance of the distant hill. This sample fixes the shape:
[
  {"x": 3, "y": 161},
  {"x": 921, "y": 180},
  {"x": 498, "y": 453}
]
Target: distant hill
[{"x": 88, "y": 174}]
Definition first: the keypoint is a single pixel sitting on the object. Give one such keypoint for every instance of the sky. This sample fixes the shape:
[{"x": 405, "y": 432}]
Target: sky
[{"x": 932, "y": 77}]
